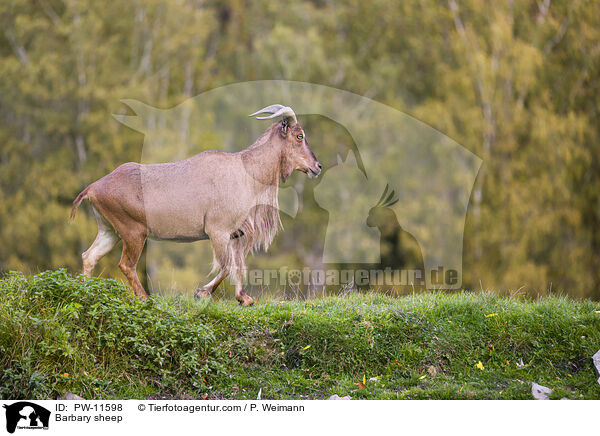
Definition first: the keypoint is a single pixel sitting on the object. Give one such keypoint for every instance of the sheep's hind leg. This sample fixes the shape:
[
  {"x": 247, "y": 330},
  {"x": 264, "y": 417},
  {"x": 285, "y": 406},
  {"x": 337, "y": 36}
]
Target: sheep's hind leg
[
  {"x": 104, "y": 242},
  {"x": 132, "y": 249}
]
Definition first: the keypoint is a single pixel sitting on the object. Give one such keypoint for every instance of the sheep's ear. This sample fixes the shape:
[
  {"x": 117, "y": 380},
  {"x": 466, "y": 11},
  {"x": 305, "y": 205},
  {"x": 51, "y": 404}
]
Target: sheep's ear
[{"x": 284, "y": 127}]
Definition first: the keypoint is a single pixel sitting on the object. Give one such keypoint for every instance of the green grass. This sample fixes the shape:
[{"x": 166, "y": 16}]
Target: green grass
[{"x": 61, "y": 334}]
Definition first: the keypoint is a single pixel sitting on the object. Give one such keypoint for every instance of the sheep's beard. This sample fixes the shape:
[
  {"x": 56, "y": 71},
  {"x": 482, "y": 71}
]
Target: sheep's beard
[{"x": 256, "y": 232}]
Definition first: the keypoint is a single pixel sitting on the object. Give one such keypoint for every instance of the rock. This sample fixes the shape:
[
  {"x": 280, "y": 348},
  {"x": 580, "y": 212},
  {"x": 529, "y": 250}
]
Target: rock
[
  {"x": 337, "y": 397},
  {"x": 71, "y": 396},
  {"x": 596, "y": 359},
  {"x": 540, "y": 392}
]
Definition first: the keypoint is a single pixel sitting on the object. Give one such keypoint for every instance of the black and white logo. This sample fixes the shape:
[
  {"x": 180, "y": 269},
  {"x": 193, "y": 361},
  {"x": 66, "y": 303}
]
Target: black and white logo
[{"x": 26, "y": 415}]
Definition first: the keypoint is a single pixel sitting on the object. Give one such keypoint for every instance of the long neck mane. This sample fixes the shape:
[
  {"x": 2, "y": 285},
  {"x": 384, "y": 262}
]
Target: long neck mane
[{"x": 262, "y": 162}]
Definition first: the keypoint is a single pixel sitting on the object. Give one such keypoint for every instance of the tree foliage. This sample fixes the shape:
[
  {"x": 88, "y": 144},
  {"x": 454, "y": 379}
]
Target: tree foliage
[{"x": 514, "y": 82}]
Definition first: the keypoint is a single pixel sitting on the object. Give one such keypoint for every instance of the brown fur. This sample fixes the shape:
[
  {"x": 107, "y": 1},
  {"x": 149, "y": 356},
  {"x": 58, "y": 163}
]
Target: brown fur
[{"x": 229, "y": 198}]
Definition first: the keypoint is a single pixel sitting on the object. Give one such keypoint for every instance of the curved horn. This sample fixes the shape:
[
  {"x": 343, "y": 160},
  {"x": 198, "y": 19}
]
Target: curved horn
[{"x": 276, "y": 110}]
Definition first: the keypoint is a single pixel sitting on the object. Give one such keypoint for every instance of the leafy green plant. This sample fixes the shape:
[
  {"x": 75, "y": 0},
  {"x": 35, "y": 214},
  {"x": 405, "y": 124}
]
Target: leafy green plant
[{"x": 60, "y": 333}]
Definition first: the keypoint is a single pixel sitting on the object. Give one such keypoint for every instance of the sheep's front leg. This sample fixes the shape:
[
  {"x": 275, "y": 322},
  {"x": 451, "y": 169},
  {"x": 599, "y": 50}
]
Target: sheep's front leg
[
  {"x": 209, "y": 288},
  {"x": 229, "y": 256},
  {"x": 238, "y": 272},
  {"x": 240, "y": 294}
]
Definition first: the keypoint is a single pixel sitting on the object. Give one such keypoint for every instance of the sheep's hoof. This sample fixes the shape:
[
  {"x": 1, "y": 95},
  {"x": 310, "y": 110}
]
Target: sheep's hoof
[
  {"x": 246, "y": 300},
  {"x": 201, "y": 293}
]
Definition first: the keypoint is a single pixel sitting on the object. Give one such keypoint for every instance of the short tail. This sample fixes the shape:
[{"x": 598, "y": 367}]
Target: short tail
[{"x": 82, "y": 195}]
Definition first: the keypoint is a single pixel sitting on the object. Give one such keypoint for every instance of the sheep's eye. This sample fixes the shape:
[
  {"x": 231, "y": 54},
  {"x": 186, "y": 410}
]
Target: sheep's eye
[{"x": 300, "y": 137}]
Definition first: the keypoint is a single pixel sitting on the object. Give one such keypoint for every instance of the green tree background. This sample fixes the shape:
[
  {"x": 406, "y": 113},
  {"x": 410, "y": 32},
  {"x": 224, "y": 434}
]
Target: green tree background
[{"x": 516, "y": 82}]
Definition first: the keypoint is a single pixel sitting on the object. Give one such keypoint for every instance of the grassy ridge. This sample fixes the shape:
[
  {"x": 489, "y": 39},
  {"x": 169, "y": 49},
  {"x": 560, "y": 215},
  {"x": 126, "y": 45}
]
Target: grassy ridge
[{"x": 92, "y": 337}]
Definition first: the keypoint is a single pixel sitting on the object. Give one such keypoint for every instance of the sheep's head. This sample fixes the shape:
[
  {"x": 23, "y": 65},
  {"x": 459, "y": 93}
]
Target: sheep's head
[{"x": 296, "y": 153}]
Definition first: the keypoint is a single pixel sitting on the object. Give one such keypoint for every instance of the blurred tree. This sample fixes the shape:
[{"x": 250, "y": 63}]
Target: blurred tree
[{"x": 515, "y": 82}]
